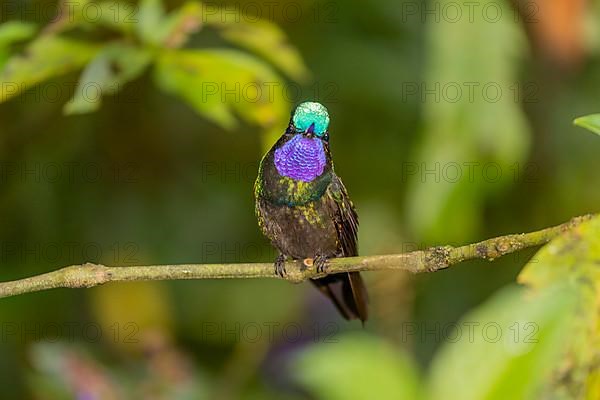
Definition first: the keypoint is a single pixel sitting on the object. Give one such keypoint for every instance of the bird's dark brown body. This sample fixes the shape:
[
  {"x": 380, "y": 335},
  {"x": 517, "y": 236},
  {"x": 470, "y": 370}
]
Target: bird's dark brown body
[
  {"x": 315, "y": 220},
  {"x": 294, "y": 235}
]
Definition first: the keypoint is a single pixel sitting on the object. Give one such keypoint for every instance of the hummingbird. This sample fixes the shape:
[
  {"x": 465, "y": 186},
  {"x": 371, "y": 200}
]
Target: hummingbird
[{"x": 303, "y": 207}]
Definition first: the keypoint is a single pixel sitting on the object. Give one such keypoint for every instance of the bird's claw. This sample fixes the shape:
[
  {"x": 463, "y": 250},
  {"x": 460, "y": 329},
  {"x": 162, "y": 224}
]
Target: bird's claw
[
  {"x": 280, "y": 266},
  {"x": 321, "y": 264}
]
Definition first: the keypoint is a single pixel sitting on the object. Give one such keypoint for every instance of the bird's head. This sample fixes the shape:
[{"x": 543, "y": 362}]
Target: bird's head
[{"x": 310, "y": 119}]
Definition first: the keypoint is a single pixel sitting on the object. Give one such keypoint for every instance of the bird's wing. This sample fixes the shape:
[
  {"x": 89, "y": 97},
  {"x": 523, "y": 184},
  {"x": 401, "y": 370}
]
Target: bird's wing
[
  {"x": 352, "y": 300},
  {"x": 344, "y": 217}
]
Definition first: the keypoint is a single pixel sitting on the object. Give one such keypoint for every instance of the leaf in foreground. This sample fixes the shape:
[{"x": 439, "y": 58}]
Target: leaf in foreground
[
  {"x": 358, "y": 366},
  {"x": 590, "y": 122},
  {"x": 574, "y": 259},
  {"x": 14, "y": 31},
  {"x": 45, "y": 58},
  {"x": 106, "y": 74},
  {"x": 506, "y": 348},
  {"x": 11, "y": 32},
  {"x": 266, "y": 40},
  {"x": 221, "y": 83}
]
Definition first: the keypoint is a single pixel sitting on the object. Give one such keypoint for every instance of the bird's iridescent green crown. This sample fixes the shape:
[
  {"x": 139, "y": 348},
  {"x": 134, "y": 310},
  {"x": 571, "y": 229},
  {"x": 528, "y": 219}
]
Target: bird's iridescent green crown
[{"x": 310, "y": 113}]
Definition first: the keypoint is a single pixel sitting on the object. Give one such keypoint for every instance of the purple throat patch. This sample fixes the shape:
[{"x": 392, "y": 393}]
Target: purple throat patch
[{"x": 301, "y": 158}]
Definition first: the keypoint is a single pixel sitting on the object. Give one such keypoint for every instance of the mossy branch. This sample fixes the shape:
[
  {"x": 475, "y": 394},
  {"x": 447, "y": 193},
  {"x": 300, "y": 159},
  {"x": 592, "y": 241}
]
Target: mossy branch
[{"x": 430, "y": 260}]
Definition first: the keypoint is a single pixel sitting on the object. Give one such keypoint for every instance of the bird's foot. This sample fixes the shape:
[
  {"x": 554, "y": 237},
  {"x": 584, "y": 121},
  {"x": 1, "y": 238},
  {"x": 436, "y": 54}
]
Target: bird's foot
[
  {"x": 321, "y": 263},
  {"x": 307, "y": 262},
  {"x": 280, "y": 266}
]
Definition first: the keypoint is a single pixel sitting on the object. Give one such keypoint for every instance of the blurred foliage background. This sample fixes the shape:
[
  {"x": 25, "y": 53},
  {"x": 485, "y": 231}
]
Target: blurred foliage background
[{"x": 450, "y": 123}]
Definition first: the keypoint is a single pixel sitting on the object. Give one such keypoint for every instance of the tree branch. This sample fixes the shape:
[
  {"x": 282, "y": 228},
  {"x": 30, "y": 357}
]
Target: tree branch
[{"x": 430, "y": 260}]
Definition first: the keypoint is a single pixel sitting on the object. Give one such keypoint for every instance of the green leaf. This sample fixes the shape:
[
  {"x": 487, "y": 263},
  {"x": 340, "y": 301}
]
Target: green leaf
[
  {"x": 4, "y": 56},
  {"x": 170, "y": 31},
  {"x": 70, "y": 14},
  {"x": 219, "y": 83},
  {"x": 573, "y": 259},
  {"x": 150, "y": 17},
  {"x": 11, "y": 32},
  {"x": 106, "y": 74},
  {"x": 177, "y": 27},
  {"x": 590, "y": 122},
  {"x": 265, "y": 39},
  {"x": 506, "y": 348},
  {"x": 121, "y": 16},
  {"x": 44, "y": 58},
  {"x": 14, "y": 31},
  {"x": 85, "y": 14},
  {"x": 357, "y": 366}
]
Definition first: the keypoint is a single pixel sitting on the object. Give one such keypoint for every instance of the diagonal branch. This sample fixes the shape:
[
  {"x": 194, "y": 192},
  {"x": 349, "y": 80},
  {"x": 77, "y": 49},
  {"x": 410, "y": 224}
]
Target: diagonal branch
[{"x": 430, "y": 260}]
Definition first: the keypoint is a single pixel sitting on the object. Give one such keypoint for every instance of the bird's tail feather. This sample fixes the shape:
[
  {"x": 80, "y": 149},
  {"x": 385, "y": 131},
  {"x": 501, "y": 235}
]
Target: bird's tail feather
[{"x": 347, "y": 292}]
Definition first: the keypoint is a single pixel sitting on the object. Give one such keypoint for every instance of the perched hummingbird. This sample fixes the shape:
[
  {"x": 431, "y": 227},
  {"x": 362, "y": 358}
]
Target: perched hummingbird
[{"x": 303, "y": 207}]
